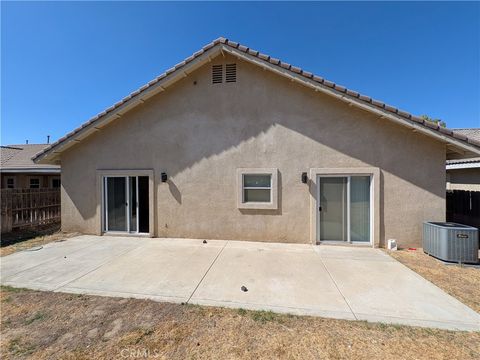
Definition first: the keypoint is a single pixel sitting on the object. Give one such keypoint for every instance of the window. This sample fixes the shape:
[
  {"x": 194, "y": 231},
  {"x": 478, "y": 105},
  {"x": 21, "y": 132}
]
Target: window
[
  {"x": 55, "y": 183},
  {"x": 257, "y": 188},
  {"x": 10, "y": 182},
  {"x": 34, "y": 183}
]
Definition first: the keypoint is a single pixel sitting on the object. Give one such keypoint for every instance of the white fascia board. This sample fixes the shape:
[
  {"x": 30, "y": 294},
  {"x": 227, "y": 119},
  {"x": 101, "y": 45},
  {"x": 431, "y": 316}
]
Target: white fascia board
[
  {"x": 471, "y": 165},
  {"x": 30, "y": 170}
]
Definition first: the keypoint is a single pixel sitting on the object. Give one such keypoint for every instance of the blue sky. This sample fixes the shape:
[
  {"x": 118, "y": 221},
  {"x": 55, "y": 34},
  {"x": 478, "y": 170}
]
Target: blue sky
[{"x": 62, "y": 63}]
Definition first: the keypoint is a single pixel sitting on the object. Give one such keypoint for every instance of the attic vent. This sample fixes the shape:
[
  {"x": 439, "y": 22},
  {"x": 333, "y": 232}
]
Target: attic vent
[
  {"x": 217, "y": 74},
  {"x": 231, "y": 73}
]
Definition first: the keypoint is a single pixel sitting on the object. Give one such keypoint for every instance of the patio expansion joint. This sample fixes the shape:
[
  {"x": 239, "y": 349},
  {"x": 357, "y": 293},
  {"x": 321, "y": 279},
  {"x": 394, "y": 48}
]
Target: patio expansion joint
[
  {"x": 206, "y": 272},
  {"x": 336, "y": 285}
]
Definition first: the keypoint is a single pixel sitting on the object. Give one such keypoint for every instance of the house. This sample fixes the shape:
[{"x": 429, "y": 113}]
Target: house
[
  {"x": 464, "y": 174},
  {"x": 19, "y": 171},
  {"x": 235, "y": 144}
]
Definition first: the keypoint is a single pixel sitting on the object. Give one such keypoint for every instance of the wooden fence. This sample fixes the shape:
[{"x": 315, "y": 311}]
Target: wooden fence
[
  {"x": 464, "y": 207},
  {"x": 26, "y": 208}
]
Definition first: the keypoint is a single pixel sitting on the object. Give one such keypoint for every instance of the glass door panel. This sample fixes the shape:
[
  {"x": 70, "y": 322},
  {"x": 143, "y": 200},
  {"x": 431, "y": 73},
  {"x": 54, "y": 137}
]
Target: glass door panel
[
  {"x": 333, "y": 208},
  {"x": 360, "y": 208},
  {"x": 133, "y": 203},
  {"x": 116, "y": 201},
  {"x": 143, "y": 205}
]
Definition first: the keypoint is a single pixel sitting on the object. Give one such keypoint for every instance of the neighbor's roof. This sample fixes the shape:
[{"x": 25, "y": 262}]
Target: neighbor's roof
[
  {"x": 18, "y": 158},
  {"x": 463, "y": 163},
  {"x": 472, "y": 133},
  {"x": 455, "y": 141}
]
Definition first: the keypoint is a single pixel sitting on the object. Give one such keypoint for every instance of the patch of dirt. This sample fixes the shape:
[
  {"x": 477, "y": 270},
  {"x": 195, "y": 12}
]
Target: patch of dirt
[
  {"x": 14, "y": 242},
  {"x": 47, "y": 325},
  {"x": 462, "y": 282}
]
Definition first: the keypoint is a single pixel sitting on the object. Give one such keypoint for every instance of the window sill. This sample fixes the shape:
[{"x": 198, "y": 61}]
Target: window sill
[{"x": 258, "y": 205}]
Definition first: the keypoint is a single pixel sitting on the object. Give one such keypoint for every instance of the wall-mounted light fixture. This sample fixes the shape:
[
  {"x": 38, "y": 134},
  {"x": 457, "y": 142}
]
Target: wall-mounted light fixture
[
  {"x": 304, "y": 177},
  {"x": 163, "y": 176}
]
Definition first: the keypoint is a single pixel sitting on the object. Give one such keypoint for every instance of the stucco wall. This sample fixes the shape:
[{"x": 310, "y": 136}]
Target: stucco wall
[{"x": 199, "y": 134}]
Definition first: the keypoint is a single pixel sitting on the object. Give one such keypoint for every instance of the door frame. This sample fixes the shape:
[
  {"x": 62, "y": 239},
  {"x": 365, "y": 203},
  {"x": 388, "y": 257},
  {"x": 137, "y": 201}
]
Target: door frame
[
  {"x": 374, "y": 173},
  {"x": 101, "y": 205},
  {"x": 348, "y": 240}
]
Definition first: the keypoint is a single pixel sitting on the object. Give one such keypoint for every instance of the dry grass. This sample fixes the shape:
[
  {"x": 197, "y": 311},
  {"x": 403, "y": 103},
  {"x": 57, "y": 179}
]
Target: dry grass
[
  {"x": 16, "y": 242},
  {"x": 46, "y": 325},
  {"x": 462, "y": 282}
]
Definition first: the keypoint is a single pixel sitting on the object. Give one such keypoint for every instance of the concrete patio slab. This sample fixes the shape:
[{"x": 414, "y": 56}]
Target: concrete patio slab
[
  {"x": 23, "y": 260},
  {"x": 69, "y": 263},
  {"x": 167, "y": 270},
  {"x": 331, "y": 281},
  {"x": 279, "y": 277},
  {"x": 389, "y": 292}
]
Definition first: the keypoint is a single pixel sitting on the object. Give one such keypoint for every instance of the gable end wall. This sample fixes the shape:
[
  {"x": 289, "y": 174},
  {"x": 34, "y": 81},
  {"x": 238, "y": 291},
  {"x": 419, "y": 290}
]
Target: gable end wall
[{"x": 200, "y": 134}]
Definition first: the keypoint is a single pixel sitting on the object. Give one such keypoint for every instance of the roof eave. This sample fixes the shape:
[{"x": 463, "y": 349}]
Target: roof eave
[
  {"x": 467, "y": 149},
  {"x": 459, "y": 144},
  {"x": 30, "y": 170},
  {"x": 52, "y": 154}
]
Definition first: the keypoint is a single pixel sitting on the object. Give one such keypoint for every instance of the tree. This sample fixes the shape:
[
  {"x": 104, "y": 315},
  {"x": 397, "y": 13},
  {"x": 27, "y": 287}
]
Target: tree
[{"x": 437, "y": 121}]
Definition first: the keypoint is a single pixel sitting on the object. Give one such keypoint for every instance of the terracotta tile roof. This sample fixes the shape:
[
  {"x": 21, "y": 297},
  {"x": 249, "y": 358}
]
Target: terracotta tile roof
[
  {"x": 295, "y": 70},
  {"x": 19, "y": 157}
]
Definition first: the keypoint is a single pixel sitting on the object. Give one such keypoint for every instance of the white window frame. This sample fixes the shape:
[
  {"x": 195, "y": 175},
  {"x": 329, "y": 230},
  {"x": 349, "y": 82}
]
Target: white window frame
[
  {"x": 14, "y": 182},
  {"x": 30, "y": 182},
  {"x": 273, "y": 173}
]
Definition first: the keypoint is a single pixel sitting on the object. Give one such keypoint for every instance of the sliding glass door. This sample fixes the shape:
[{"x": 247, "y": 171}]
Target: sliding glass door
[
  {"x": 126, "y": 207},
  {"x": 344, "y": 209}
]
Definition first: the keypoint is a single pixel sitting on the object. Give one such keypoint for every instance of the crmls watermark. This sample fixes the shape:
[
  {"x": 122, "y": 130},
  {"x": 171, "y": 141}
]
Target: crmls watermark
[{"x": 139, "y": 353}]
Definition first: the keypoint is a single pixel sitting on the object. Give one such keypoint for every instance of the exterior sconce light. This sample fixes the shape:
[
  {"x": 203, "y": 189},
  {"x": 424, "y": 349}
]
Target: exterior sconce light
[
  {"x": 163, "y": 177},
  {"x": 304, "y": 177}
]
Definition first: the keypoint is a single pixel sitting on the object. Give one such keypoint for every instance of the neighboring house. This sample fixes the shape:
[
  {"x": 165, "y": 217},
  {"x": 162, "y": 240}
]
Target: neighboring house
[
  {"x": 19, "y": 171},
  {"x": 234, "y": 144},
  {"x": 464, "y": 174}
]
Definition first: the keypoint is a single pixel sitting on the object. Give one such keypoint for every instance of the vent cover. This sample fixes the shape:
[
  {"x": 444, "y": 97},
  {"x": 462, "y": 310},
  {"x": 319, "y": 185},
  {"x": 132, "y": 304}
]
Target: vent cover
[
  {"x": 217, "y": 74},
  {"x": 231, "y": 73}
]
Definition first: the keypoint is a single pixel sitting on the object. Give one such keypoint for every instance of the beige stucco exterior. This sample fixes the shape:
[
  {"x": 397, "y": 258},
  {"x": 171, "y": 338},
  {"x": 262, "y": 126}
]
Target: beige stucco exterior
[{"x": 200, "y": 134}]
